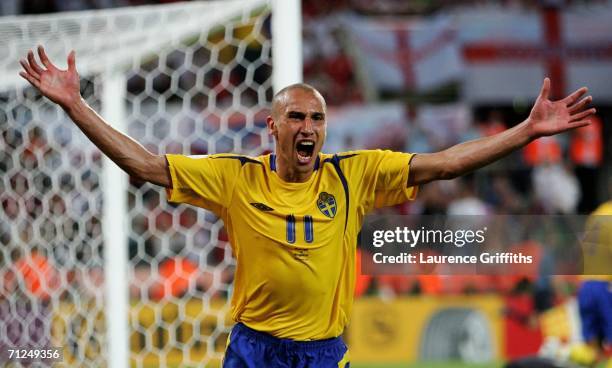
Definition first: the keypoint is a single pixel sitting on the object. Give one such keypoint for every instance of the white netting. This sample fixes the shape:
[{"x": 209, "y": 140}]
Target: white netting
[
  {"x": 109, "y": 38},
  {"x": 198, "y": 81}
]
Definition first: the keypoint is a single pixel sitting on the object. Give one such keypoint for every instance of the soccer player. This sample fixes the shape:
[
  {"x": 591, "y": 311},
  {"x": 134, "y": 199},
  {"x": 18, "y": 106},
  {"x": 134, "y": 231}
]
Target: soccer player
[
  {"x": 595, "y": 294},
  {"x": 293, "y": 216}
]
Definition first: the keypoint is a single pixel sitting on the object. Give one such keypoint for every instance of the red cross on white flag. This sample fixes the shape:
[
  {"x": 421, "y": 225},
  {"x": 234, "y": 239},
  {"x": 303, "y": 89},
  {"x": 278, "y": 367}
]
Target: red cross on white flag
[
  {"x": 507, "y": 52},
  {"x": 406, "y": 55}
]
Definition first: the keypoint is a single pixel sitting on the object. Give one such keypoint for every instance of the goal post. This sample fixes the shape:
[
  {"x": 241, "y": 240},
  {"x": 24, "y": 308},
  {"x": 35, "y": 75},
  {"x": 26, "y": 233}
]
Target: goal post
[
  {"x": 114, "y": 229},
  {"x": 82, "y": 246},
  {"x": 287, "y": 45}
]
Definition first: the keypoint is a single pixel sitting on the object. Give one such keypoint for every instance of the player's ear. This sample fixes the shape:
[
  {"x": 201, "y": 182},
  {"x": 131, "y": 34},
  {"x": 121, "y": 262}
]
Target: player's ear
[{"x": 272, "y": 129}]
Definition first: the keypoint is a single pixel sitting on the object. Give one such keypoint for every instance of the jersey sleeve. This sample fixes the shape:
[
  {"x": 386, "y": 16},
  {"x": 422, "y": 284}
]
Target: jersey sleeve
[
  {"x": 392, "y": 182},
  {"x": 383, "y": 178},
  {"x": 203, "y": 181}
]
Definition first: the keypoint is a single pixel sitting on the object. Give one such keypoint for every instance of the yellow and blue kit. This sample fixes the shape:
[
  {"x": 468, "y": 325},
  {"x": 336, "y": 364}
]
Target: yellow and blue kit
[
  {"x": 294, "y": 243},
  {"x": 595, "y": 294}
]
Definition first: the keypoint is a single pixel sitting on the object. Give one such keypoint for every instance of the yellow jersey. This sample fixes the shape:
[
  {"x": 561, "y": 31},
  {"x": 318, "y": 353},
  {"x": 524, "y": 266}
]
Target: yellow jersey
[
  {"x": 294, "y": 243},
  {"x": 597, "y": 244}
]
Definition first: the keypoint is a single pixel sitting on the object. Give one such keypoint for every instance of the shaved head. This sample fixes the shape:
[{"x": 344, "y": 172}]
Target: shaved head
[{"x": 280, "y": 98}]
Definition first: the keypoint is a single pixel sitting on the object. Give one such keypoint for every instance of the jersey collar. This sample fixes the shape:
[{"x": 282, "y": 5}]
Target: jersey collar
[{"x": 273, "y": 162}]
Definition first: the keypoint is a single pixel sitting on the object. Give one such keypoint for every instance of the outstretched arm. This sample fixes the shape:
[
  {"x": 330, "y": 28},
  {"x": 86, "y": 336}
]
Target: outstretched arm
[
  {"x": 62, "y": 87},
  {"x": 546, "y": 118}
]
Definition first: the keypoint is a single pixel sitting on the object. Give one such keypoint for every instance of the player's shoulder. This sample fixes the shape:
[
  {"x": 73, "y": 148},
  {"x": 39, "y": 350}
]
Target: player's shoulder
[
  {"x": 359, "y": 154},
  {"x": 603, "y": 209},
  {"x": 231, "y": 159},
  {"x": 356, "y": 162},
  {"x": 225, "y": 162},
  {"x": 237, "y": 158},
  {"x": 357, "y": 157}
]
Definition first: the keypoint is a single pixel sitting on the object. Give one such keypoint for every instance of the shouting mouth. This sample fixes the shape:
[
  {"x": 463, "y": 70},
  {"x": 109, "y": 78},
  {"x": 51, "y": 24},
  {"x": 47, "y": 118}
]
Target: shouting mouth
[{"x": 305, "y": 150}]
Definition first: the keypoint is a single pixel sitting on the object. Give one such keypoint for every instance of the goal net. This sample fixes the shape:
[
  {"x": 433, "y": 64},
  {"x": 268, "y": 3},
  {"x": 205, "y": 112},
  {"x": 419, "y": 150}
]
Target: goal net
[{"x": 192, "y": 78}]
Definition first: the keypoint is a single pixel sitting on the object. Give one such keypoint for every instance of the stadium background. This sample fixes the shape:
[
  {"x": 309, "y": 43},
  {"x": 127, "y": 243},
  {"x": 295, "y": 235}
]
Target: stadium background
[{"x": 414, "y": 76}]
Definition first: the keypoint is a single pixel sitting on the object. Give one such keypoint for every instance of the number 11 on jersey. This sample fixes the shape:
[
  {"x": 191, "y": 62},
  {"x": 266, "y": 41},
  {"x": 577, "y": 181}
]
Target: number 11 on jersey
[{"x": 308, "y": 229}]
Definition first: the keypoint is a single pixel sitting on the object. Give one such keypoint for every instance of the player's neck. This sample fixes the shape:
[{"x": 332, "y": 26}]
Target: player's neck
[{"x": 290, "y": 173}]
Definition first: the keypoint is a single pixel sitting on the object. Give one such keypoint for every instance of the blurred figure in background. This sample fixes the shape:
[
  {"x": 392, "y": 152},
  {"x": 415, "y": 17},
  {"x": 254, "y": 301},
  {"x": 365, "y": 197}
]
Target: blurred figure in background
[
  {"x": 586, "y": 152},
  {"x": 595, "y": 294}
]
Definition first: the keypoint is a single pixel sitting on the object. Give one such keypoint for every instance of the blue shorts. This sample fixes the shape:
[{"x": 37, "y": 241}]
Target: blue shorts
[
  {"x": 595, "y": 306},
  {"x": 248, "y": 348}
]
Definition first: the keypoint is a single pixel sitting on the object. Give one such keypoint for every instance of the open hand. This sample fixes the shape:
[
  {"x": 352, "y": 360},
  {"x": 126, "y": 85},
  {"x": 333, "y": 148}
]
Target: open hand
[
  {"x": 60, "y": 86},
  {"x": 552, "y": 117}
]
